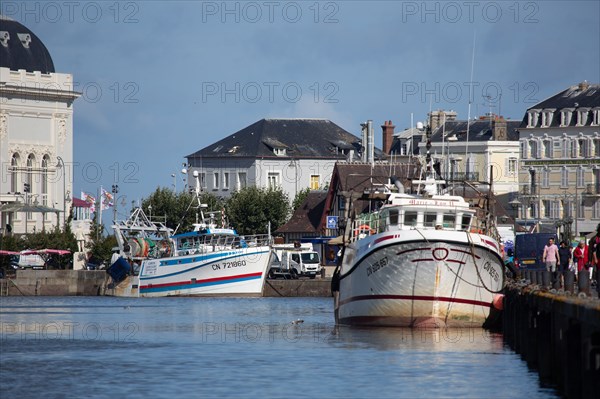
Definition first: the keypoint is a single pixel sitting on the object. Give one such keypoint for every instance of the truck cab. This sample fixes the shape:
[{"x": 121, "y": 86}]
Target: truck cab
[{"x": 295, "y": 260}]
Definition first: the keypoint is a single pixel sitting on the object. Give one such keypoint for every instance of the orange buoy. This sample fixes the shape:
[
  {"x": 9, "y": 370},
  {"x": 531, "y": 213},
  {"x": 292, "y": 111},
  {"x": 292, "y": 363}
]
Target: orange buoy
[{"x": 498, "y": 301}]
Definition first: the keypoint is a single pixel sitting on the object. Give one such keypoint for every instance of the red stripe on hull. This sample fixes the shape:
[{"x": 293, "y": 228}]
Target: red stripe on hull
[
  {"x": 208, "y": 280},
  {"x": 415, "y": 298}
]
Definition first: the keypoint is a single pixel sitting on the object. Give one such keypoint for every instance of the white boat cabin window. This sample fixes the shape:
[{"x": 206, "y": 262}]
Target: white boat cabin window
[
  {"x": 410, "y": 218},
  {"x": 466, "y": 222},
  {"x": 449, "y": 221},
  {"x": 430, "y": 219},
  {"x": 394, "y": 216}
]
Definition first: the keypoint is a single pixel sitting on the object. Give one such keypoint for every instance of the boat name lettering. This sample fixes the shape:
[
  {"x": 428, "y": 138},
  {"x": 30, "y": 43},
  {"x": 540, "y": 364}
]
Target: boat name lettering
[
  {"x": 229, "y": 265},
  {"x": 429, "y": 202},
  {"x": 490, "y": 269},
  {"x": 377, "y": 265}
]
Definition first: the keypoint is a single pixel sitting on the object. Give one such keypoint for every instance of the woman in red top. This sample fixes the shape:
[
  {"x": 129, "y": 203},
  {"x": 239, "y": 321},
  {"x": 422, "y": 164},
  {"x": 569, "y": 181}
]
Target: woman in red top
[{"x": 580, "y": 255}]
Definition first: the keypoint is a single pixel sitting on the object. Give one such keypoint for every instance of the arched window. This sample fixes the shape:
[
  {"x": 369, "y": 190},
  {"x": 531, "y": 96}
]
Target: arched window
[{"x": 14, "y": 174}]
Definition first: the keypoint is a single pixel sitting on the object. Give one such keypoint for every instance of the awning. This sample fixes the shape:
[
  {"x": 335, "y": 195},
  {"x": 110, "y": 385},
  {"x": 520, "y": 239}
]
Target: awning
[{"x": 21, "y": 207}]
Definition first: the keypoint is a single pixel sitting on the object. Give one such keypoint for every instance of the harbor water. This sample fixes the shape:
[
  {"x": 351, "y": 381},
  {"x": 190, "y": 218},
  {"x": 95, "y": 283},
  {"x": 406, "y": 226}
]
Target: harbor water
[{"x": 101, "y": 347}]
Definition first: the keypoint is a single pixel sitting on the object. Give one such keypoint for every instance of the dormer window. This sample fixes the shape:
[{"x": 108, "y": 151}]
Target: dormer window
[
  {"x": 565, "y": 116},
  {"x": 280, "y": 152},
  {"x": 532, "y": 118},
  {"x": 547, "y": 116},
  {"x": 595, "y": 116},
  {"x": 582, "y": 116}
]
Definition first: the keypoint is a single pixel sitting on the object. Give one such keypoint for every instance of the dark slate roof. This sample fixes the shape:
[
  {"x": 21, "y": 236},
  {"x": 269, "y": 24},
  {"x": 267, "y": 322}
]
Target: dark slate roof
[
  {"x": 577, "y": 96},
  {"x": 301, "y": 138},
  {"x": 307, "y": 216},
  {"x": 479, "y": 130},
  {"x": 15, "y": 55}
]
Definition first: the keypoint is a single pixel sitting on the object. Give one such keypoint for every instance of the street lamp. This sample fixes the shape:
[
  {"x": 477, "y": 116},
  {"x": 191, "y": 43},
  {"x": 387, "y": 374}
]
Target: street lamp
[
  {"x": 115, "y": 190},
  {"x": 174, "y": 176},
  {"x": 515, "y": 204},
  {"x": 61, "y": 165}
]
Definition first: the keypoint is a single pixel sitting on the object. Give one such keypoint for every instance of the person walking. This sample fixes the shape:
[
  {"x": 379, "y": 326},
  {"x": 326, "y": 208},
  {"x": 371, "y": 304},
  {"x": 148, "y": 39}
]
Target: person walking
[
  {"x": 551, "y": 258},
  {"x": 579, "y": 256},
  {"x": 594, "y": 257},
  {"x": 564, "y": 255}
]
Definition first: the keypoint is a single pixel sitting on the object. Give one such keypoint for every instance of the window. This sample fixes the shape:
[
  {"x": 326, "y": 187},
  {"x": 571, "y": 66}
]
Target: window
[
  {"x": 242, "y": 180},
  {"x": 596, "y": 117},
  {"x": 596, "y": 210},
  {"x": 449, "y": 221},
  {"x": 533, "y": 148},
  {"x": 565, "y": 117},
  {"x": 14, "y": 177},
  {"x": 564, "y": 177},
  {"x": 546, "y": 177},
  {"x": 203, "y": 180},
  {"x": 512, "y": 166},
  {"x": 532, "y": 118},
  {"x": 273, "y": 180},
  {"x": 582, "y": 116},
  {"x": 547, "y": 208},
  {"x": 429, "y": 220},
  {"x": 410, "y": 218},
  {"x": 225, "y": 180},
  {"x": 524, "y": 148},
  {"x": 280, "y": 152},
  {"x": 394, "y": 216},
  {"x": 548, "y": 149},
  {"x": 215, "y": 180},
  {"x": 314, "y": 182},
  {"x": 465, "y": 222},
  {"x": 580, "y": 177},
  {"x": 566, "y": 148},
  {"x": 582, "y": 144},
  {"x": 574, "y": 148},
  {"x": 341, "y": 202}
]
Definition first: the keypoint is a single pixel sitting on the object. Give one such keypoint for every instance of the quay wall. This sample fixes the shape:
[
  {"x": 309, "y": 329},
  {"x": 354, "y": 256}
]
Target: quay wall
[
  {"x": 558, "y": 335},
  {"x": 320, "y": 287},
  {"x": 95, "y": 282},
  {"x": 55, "y": 283}
]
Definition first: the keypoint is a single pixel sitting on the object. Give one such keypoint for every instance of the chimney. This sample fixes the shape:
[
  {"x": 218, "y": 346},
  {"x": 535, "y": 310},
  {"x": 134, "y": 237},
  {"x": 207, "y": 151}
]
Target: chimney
[
  {"x": 370, "y": 142},
  {"x": 584, "y": 85},
  {"x": 388, "y": 136},
  {"x": 499, "y": 129}
]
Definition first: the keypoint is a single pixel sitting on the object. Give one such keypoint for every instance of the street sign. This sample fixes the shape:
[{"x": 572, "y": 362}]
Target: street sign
[{"x": 332, "y": 222}]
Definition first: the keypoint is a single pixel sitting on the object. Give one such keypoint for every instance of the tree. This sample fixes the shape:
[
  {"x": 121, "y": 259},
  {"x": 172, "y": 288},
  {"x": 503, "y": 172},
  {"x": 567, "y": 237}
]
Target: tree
[
  {"x": 178, "y": 208},
  {"x": 250, "y": 209},
  {"x": 299, "y": 199}
]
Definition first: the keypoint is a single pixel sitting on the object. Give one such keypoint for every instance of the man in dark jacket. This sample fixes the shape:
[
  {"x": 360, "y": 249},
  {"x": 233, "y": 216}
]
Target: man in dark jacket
[{"x": 594, "y": 256}]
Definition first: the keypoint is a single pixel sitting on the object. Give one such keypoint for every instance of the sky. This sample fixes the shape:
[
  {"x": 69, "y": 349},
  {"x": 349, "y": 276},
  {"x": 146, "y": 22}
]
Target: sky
[{"x": 163, "y": 79}]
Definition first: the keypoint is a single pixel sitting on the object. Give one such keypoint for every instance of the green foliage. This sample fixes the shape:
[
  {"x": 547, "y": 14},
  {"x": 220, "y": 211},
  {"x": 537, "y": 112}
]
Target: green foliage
[
  {"x": 101, "y": 249},
  {"x": 299, "y": 199},
  {"x": 177, "y": 208},
  {"x": 250, "y": 209}
]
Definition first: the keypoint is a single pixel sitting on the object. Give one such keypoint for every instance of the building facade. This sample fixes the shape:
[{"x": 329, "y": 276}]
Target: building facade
[
  {"x": 559, "y": 175},
  {"x": 291, "y": 154},
  {"x": 36, "y": 131}
]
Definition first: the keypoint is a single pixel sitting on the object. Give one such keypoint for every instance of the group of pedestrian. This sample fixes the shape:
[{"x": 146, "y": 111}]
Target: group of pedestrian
[{"x": 560, "y": 260}]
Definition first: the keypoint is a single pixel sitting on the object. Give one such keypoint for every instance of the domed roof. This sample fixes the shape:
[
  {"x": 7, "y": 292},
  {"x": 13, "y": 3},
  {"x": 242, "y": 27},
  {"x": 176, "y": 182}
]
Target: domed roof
[{"x": 20, "y": 48}]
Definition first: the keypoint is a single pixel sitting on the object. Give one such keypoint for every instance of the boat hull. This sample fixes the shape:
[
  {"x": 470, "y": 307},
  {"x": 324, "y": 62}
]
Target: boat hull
[
  {"x": 420, "y": 279},
  {"x": 234, "y": 272}
]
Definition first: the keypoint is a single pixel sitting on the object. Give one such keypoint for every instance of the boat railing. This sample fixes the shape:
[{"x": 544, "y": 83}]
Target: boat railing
[{"x": 221, "y": 242}]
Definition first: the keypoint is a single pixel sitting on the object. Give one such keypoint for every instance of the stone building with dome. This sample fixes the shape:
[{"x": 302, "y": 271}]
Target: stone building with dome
[{"x": 36, "y": 133}]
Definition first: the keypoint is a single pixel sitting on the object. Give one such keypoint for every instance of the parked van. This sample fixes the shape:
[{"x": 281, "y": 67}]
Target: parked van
[
  {"x": 295, "y": 260},
  {"x": 529, "y": 250}
]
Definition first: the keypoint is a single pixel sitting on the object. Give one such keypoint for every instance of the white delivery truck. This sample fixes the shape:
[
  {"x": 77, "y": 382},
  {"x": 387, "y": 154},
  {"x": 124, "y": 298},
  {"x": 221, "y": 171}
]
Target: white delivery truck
[{"x": 295, "y": 260}]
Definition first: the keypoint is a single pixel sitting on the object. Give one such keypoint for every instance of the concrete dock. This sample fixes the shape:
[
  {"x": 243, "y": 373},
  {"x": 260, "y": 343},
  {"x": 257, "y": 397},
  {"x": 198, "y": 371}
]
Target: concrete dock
[{"x": 558, "y": 334}]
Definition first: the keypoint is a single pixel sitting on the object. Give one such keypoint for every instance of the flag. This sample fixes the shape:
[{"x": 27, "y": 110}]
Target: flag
[
  {"x": 90, "y": 199},
  {"x": 107, "y": 200}
]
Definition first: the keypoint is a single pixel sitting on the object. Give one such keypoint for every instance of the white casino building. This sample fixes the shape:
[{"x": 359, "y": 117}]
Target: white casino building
[{"x": 36, "y": 131}]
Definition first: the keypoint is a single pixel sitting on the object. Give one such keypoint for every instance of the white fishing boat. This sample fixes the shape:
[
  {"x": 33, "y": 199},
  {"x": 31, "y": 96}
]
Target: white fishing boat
[
  {"x": 418, "y": 261},
  {"x": 206, "y": 261}
]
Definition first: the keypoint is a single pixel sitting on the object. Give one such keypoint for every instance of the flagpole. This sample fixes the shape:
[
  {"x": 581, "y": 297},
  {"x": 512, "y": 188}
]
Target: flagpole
[{"x": 99, "y": 210}]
